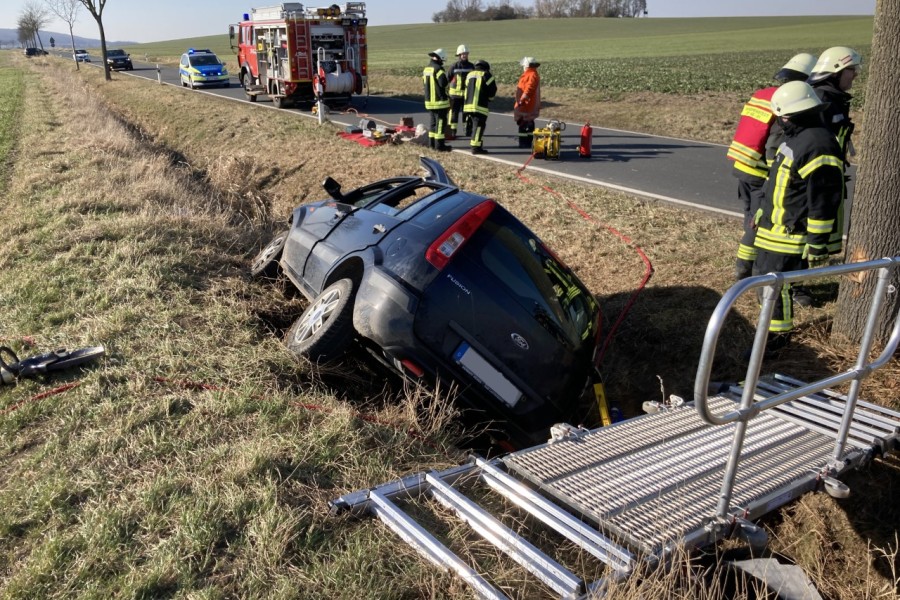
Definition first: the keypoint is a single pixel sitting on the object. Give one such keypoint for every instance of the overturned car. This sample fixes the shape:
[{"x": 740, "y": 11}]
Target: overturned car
[{"x": 442, "y": 284}]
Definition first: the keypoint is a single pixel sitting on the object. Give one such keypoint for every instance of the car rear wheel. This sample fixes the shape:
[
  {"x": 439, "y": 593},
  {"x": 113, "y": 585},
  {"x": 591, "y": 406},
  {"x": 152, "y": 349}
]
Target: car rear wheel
[
  {"x": 265, "y": 265},
  {"x": 325, "y": 329}
]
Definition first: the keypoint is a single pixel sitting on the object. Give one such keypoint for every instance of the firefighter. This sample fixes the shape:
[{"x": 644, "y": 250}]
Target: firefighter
[
  {"x": 801, "y": 201},
  {"x": 437, "y": 102},
  {"x": 480, "y": 90},
  {"x": 752, "y": 150},
  {"x": 456, "y": 75},
  {"x": 831, "y": 78},
  {"x": 527, "y": 107}
]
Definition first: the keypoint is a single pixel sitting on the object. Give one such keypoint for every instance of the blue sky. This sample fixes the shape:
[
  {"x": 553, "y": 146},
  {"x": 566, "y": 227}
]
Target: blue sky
[{"x": 157, "y": 20}]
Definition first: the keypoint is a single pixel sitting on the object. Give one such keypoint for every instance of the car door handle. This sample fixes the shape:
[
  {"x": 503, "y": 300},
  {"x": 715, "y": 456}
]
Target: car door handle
[{"x": 378, "y": 228}]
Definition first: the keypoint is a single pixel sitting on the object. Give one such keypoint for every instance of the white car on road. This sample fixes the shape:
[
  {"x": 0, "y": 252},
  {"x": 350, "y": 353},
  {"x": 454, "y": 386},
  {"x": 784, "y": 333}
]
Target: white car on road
[{"x": 81, "y": 56}]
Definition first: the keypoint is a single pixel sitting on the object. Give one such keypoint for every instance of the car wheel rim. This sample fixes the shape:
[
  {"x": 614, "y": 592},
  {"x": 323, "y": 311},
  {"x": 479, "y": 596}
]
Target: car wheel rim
[
  {"x": 319, "y": 313},
  {"x": 270, "y": 251}
]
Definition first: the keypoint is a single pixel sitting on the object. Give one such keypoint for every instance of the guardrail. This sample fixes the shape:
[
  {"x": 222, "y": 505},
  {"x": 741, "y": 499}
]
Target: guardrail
[{"x": 749, "y": 408}]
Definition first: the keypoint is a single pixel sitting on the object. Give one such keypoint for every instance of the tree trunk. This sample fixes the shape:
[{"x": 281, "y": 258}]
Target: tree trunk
[{"x": 875, "y": 222}]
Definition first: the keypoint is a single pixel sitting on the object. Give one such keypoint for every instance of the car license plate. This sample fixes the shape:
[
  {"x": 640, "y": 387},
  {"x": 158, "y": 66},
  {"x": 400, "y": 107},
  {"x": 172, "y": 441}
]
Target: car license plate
[{"x": 491, "y": 378}]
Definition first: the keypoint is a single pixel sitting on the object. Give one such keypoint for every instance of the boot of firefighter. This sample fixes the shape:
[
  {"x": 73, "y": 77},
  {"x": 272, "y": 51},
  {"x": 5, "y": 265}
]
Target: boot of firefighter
[{"x": 443, "y": 147}]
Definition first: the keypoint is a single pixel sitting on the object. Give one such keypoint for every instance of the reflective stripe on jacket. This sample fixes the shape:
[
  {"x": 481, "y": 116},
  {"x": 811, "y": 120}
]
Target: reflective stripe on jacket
[
  {"x": 435, "y": 80},
  {"x": 457, "y": 74},
  {"x": 748, "y": 148},
  {"x": 480, "y": 90},
  {"x": 803, "y": 193}
]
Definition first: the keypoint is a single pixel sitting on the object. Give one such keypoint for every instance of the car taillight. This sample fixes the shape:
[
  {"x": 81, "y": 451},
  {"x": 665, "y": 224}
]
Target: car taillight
[{"x": 445, "y": 246}]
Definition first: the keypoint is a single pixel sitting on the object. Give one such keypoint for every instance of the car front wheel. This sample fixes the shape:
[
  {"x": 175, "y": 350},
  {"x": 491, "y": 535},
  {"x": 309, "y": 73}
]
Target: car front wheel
[
  {"x": 265, "y": 265},
  {"x": 325, "y": 329}
]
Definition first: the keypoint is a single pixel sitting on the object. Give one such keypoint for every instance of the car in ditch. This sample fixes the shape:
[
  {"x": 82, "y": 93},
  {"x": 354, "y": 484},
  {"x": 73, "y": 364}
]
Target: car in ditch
[
  {"x": 441, "y": 284},
  {"x": 118, "y": 59}
]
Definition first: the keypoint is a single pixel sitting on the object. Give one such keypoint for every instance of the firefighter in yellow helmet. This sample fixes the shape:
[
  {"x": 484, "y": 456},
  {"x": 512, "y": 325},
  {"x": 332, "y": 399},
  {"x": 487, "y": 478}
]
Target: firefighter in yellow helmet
[
  {"x": 831, "y": 78},
  {"x": 802, "y": 196},
  {"x": 456, "y": 75},
  {"x": 437, "y": 102},
  {"x": 753, "y": 148}
]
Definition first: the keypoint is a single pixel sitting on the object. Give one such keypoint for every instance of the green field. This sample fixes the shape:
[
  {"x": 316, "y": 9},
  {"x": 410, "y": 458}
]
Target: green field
[{"x": 605, "y": 55}]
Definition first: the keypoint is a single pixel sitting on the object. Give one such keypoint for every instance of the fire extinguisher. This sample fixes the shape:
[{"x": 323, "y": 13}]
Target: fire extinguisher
[{"x": 584, "y": 148}]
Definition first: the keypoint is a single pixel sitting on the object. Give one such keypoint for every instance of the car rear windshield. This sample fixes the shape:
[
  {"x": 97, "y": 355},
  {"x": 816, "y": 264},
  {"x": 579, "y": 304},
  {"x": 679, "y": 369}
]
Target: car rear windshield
[{"x": 534, "y": 276}]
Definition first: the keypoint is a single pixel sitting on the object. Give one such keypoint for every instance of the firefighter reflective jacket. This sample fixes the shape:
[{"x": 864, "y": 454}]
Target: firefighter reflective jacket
[
  {"x": 435, "y": 80},
  {"x": 748, "y": 148},
  {"x": 837, "y": 118},
  {"x": 480, "y": 90},
  {"x": 837, "y": 114},
  {"x": 803, "y": 192},
  {"x": 528, "y": 96},
  {"x": 457, "y": 74}
]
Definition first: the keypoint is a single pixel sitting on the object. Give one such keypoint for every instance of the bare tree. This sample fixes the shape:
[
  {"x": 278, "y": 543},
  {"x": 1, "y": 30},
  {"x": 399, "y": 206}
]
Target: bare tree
[
  {"x": 95, "y": 8},
  {"x": 31, "y": 20},
  {"x": 67, "y": 10},
  {"x": 875, "y": 230}
]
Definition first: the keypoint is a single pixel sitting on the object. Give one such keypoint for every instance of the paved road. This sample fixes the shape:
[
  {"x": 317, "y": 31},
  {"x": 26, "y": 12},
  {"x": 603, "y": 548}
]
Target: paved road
[{"x": 678, "y": 171}]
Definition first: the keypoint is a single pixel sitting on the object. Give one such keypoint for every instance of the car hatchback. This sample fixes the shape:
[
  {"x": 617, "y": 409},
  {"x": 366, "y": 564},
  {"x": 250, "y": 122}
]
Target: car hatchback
[
  {"x": 442, "y": 284},
  {"x": 202, "y": 67}
]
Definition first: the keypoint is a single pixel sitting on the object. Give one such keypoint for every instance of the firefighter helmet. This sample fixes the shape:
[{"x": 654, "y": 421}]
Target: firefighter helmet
[
  {"x": 438, "y": 54},
  {"x": 482, "y": 65},
  {"x": 834, "y": 60},
  {"x": 795, "y": 97},
  {"x": 796, "y": 69},
  {"x": 529, "y": 61},
  {"x": 461, "y": 49}
]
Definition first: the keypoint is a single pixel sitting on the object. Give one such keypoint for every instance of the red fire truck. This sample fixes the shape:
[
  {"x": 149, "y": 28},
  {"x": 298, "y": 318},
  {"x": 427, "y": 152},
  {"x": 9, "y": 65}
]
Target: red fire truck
[{"x": 296, "y": 54}]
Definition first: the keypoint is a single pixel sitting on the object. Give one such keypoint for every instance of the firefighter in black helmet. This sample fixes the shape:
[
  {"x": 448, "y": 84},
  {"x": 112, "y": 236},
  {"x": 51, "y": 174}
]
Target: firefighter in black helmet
[
  {"x": 480, "y": 90},
  {"x": 437, "y": 101}
]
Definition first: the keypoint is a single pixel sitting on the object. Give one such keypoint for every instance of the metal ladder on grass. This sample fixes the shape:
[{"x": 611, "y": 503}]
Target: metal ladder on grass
[{"x": 639, "y": 489}]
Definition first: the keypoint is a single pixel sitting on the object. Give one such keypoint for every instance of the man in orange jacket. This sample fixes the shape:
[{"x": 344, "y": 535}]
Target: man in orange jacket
[{"x": 528, "y": 101}]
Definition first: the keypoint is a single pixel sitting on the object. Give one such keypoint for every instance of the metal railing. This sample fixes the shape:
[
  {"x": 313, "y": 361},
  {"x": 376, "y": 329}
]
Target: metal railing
[{"x": 772, "y": 284}]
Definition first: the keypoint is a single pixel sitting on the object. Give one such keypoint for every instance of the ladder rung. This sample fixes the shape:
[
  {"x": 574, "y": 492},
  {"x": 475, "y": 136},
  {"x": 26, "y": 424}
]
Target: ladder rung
[
  {"x": 507, "y": 540},
  {"x": 429, "y": 546},
  {"x": 576, "y": 531}
]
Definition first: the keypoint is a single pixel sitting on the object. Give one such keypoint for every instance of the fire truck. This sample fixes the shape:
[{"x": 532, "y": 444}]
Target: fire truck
[{"x": 294, "y": 53}]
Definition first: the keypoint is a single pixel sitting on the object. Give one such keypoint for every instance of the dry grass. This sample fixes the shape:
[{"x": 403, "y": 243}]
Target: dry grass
[{"x": 129, "y": 222}]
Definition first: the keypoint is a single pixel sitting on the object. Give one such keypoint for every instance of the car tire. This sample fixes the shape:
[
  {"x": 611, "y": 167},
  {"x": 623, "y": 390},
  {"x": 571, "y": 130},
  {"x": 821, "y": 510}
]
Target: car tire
[
  {"x": 265, "y": 264},
  {"x": 325, "y": 329}
]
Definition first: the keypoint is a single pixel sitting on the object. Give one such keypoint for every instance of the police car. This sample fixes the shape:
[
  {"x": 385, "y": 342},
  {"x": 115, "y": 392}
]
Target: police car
[{"x": 202, "y": 67}]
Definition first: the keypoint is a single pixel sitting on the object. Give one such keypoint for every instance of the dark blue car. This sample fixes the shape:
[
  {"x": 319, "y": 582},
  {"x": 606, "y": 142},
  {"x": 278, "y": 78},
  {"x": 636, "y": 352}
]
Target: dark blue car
[{"x": 442, "y": 284}]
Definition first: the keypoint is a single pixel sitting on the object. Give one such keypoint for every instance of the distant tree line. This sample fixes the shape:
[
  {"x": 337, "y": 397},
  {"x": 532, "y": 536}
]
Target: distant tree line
[{"x": 477, "y": 10}]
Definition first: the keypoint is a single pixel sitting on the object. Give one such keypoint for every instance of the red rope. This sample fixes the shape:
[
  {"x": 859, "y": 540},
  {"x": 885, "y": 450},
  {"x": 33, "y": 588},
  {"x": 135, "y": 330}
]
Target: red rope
[
  {"x": 648, "y": 267},
  {"x": 41, "y": 396}
]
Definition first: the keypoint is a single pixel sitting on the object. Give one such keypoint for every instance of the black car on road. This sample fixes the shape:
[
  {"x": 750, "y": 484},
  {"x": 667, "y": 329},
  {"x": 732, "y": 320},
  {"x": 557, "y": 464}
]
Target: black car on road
[
  {"x": 442, "y": 284},
  {"x": 118, "y": 59}
]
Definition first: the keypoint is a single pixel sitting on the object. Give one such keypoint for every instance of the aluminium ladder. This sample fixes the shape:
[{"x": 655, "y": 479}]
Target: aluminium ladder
[{"x": 685, "y": 476}]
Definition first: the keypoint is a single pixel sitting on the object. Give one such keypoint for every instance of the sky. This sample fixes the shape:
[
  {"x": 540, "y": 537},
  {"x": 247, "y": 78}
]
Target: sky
[{"x": 159, "y": 20}]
